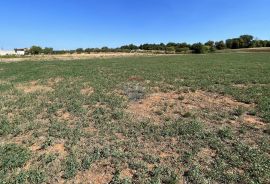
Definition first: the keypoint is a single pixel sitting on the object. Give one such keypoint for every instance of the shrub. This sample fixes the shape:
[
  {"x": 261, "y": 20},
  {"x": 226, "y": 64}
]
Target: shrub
[
  {"x": 170, "y": 50},
  {"x": 220, "y": 45},
  {"x": 225, "y": 133},
  {"x": 79, "y": 50},
  {"x": 35, "y": 50},
  {"x": 199, "y": 48}
]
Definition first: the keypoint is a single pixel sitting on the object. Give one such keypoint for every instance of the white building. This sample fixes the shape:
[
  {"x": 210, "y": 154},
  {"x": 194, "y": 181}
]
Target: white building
[
  {"x": 7, "y": 52},
  {"x": 17, "y": 52},
  {"x": 20, "y": 52}
]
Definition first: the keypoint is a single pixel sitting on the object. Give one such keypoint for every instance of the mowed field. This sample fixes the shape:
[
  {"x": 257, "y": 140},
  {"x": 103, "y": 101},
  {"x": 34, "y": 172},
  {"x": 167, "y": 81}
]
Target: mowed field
[{"x": 158, "y": 119}]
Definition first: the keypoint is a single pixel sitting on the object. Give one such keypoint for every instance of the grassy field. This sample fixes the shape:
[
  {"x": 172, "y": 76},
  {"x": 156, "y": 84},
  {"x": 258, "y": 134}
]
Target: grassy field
[{"x": 164, "y": 119}]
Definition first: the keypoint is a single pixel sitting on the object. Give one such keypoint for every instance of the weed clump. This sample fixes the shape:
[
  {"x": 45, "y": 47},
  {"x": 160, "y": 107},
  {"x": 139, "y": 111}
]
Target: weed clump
[
  {"x": 134, "y": 92},
  {"x": 13, "y": 156},
  {"x": 71, "y": 167}
]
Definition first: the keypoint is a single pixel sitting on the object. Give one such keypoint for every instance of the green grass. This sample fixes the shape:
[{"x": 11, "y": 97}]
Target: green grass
[{"x": 58, "y": 133}]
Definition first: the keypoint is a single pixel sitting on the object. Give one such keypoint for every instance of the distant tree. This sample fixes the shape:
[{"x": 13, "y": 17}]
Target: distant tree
[
  {"x": 235, "y": 44},
  {"x": 212, "y": 49},
  {"x": 162, "y": 46},
  {"x": 79, "y": 50},
  {"x": 181, "y": 49},
  {"x": 170, "y": 50},
  {"x": 88, "y": 50},
  {"x": 105, "y": 49},
  {"x": 171, "y": 44},
  {"x": 133, "y": 47},
  {"x": 210, "y": 43},
  {"x": 129, "y": 47},
  {"x": 199, "y": 48},
  {"x": 220, "y": 45},
  {"x": 96, "y": 50},
  {"x": 268, "y": 44},
  {"x": 229, "y": 43},
  {"x": 35, "y": 50},
  {"x": 245, "y": 41},
  {"x": 48, "y": 50}
]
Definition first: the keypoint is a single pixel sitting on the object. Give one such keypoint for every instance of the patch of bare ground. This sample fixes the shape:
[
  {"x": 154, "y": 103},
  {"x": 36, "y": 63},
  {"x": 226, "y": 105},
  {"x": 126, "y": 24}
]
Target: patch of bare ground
[
  {"x": 15, "y": 140},
  {"x": 67, "y": 57},
  {"x": 4, "y": 82},
  {"x": 58, "y": 148},
  {"x": 253, "y": 120},
  {"x": 159, "y": 106},
  {"x": 64, "y": 115},
  {"x": 54, "y": 81},
  {"x": 126, "y": 173},
  {"x": 243, "y": 86},
  {"x": 33, "y": 87},
  {"x": 136, "y": 78},
  {"x": 87, "y": 91},
  {"x": 100, "y": 173},
  {"x": 206, "y": 156}
]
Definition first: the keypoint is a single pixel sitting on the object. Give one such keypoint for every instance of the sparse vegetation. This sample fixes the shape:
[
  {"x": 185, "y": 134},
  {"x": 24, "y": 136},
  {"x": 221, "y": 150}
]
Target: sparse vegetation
[{"x": 162, "y": 119}]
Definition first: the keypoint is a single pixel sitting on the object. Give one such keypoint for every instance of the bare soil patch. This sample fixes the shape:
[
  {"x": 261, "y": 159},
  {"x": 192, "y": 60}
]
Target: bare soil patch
[
  {"x": 75, "y": 56},
  {"x": 58, "y": 148},
  {"x": 244, "y": 86},
  {"x": 64, "y": 115},
  {"x": 4, "y": 82},
  {"x": 253, "y": 120},
  {"x": 100, "y": 173},
  {"x": 136, "y": 78},
  {"x": 126, "y": 174},
  {"x": 53, "y": 81},
  {"x": 173, "y": 105},
  {"x": 33, "y": 87},
  {"x": 87, "y": 91}
]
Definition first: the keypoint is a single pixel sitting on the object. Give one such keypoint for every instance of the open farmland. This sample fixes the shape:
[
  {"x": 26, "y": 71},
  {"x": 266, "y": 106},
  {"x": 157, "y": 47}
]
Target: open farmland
[{"x": 158, "y": 119}]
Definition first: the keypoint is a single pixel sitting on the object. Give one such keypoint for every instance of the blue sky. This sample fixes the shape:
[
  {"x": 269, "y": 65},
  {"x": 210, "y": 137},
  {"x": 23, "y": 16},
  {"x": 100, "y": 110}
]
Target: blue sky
[{"x": 68, "y": 24}]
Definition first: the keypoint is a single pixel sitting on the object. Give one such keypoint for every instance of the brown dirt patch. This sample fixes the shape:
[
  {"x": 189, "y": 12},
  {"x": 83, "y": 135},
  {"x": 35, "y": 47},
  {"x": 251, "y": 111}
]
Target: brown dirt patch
[
  {"x": 33, "y": 87},
  {"x": 4, "y": 82},
  {"x": 58, "y": 148},
  {"x": 54, "y": 81},
  {"x": 206, "y": 153},
  {"x": 135, "y": 78},
  {"x": 100, "y": 173},
  {"x": 64, "y": 115},
  {"x": 206, "y": 156},
  {"x": 158, "y": 106},
  {"x": 253, "y": 120},
  {"x": 243, "y": 86},
  {"x": 87, "y": 91},
  {"x": 90, "y": 129},
  {"x": 126, "y": 173}
]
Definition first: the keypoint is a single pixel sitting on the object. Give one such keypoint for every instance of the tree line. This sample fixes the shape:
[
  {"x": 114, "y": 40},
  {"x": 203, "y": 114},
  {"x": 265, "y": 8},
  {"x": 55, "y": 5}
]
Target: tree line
[{"x": 244, "y": 41}]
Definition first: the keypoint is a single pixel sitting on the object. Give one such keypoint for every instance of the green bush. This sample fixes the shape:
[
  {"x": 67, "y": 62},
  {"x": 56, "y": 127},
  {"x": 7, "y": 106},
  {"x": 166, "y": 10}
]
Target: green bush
[{"x": 199, "y": 48}]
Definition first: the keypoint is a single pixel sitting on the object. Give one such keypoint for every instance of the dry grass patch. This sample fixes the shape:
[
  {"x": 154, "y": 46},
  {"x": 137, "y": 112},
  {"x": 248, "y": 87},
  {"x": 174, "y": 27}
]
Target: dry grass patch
[
  {"x": 87, "y": 91},
  {"x": 2, "y": 82},
  {"x": 126, "y": 173},
  {"x": 64, "y": 115},
  {"x": 253, "y": 120},
  {"x": 206, "y": 155},
  {"x": 33, "y": 87},
  {"x": 100, "y": 173},
  {"x": 159, "y": 106},
  {"x": 58, "y": 148},
  {"x": 244, "y": 86},
  {"x": 54, "y": 81}
]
